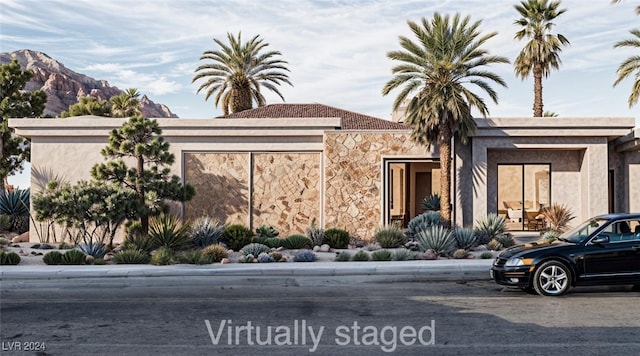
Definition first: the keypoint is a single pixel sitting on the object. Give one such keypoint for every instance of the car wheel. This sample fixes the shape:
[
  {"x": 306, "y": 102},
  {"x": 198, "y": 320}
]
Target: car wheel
[{"x": 552, "y": 278}]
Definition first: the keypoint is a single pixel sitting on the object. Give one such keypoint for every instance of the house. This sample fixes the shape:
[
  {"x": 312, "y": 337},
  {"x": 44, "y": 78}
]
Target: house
[{"x": 285, "y": 165}]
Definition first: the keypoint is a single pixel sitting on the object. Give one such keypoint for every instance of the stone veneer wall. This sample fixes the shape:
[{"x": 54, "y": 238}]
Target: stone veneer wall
[
  {"x": 353, "y": 177},
  {"x": 286, "y": 191},
  {"x": 221, "y": 181}
]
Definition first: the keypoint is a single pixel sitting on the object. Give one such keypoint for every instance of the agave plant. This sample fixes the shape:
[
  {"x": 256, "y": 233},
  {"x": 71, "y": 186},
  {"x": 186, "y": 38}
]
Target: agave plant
[
  {"x": 167, "y": 230},
  {"x": 95, "y": 249},
  {"x": 422, "y": 222},
  {"x": 431, "y": 203},
  {"x": 489, "y": 227},
  {"x": 315, "y": 233},
  {"x": 390, "y": 236},
  {"x": 15, "y": 204},
  {"x": 557, "y": 217},
  {"x": 437, "y": 238},
  {"x": 206, "y": 231},
  {"x": 465, "y": 238}
]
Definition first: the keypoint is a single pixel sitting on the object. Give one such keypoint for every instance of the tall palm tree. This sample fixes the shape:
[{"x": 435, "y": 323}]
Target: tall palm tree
[
  {"x": 126, "y": 104},
  {"x": 541, "y": 53},
  {"x": 436, "y": 73},
  {"x": 629, "y": 66},
  {"x": 238, "y": 71}
]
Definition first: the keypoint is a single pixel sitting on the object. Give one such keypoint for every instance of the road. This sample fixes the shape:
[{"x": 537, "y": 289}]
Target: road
[{"x": 280, "y": 318}]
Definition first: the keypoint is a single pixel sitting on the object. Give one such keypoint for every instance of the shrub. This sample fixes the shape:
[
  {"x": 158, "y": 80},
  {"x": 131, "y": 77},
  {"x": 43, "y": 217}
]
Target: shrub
[
  {"x": 138, "y": 242},
  {"x": 273, "y": 242},
  {"x": 465, "y": 238},
  {"x": 494, "y": 245},
  {"x": 193, "y": 257},
  {"x": 381, "y": 255},
  {"x": 94, "y": 249},
  {"x": 403, "y": 255},
  {"x": 489, "y": 227},
  {"x": 296, "y": 241},
  {"x": 431, "y": 203},
  {"x": 506, "y": 240},
  {"x": 460, "y": 254},
  {"x": 343, "y": 257},
  {"x": 162, "y": 257},
  {"x": 557, "y": 217},
  {"x": 304, "y": 256},
  {"x": 372, "y": 246},
  {"x": 360, "y": 256},
  {"x": 15, "y": 204},
  {"x": 167, "y": 230},
  {"x": 237, "y": 236},
  {"x": 315, "y": 233},
  {"x": 4, "y": 241},
  {"x": 5, "y": 222},
  {"x": 254, "y": 249},
  {"x": 73, "y": 257},
  {"x": 64, "y": 246},
  {"x": 390, "y": 236},
  {"x": 9, "y": 258},
  {"x": 265, "y": 231},
  {"x": 422, "y": 222},
  {"x": 550, "y": 236},
  {"x": 486, "y": 255},
  {"x": 52, "y": 258},
  {"x": 215, "y": 253},
  {"x": 206, "y": 231},
  {"x": 436, "y": 238},
  {"x": 264, "y": 257},
  {"x": 336, "y": 238},
  {"x": 132, "y": 257}
]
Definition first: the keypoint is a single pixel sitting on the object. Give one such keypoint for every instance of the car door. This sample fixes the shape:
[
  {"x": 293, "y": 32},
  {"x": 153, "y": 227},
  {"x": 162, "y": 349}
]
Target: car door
[{"x": 614, "y": 252}]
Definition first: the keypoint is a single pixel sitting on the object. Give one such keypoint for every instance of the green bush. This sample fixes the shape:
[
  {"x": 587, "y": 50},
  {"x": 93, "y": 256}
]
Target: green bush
[
  {"x": 336, "y": 238},
  {"x": 64, "y": 246},
  {"x": 73, "y": 257},
  {"x": 465, "y": 238},
  {"x": 273, "y": 242},
  {"x": 431, "y": 203},
  {"x": 390, "y": 236},
  {"x": 296, "y": 241},
  {"x": 264, "y": 231},
  {"x": 193, "y": 257},
  {"x": 494, "y": 245},
  {"x": 139, "y": 242},
  {"x": 15, "y": 204},
  {"x": 381, "y": 255},
  {"x": 460, "y": 254},
  {"x": 254, "y": 249},
  {"x": 52, "y": 258},
  {"x": 360, "y": 256},
  {"x": 132, "y": 257},
  {"x": 343, "y": 257},
  {"x": 489, "y": 227},
  {"x": 215, "y": 253},
  {"x": 95, "y": 249},
  {"x": 237, "y": 236},
  {"x": 162, "y": 257},
  {"x": 422, "y": 222},
  {"x": 506, "y": 240},
  {"x": 436, "y": 238},
  {"x": 304, "y": 256},
  {"x": 9, "y": 258},
  {"x": 4, "y": 241},
  {"x": 315, "y": 233},
  {"x": 206, "y": 231},
  {"x": 486, "y": 255},
  {"x": 167, "y": 230},
  {"x": 5, "y": 222},
  {"x": 403, "y": 255}
]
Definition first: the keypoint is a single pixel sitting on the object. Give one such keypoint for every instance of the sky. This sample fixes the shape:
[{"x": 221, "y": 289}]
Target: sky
[{"x": 336, "y": 49}]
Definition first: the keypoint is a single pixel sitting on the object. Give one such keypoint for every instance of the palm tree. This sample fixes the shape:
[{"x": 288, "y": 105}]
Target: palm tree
[
  {"x": 126, "y": 104},
  {"x": 629, "y": 66},
  {"x": 541, "y": 53},
  {"x": 238, "y": 71},
  {"x": 438, "y": 68}
]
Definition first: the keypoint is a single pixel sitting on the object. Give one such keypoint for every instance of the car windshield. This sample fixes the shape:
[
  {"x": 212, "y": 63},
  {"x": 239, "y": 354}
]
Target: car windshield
[{"x": 583, "y": 231}]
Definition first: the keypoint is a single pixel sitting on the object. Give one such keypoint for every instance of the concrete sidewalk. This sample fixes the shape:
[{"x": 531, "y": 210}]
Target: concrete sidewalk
[{"x": 296, "y": 273}]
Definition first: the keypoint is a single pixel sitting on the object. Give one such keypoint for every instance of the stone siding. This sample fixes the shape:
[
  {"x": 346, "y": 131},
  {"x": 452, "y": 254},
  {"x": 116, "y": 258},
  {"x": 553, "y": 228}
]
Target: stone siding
[{"x": 353, "y": 177}]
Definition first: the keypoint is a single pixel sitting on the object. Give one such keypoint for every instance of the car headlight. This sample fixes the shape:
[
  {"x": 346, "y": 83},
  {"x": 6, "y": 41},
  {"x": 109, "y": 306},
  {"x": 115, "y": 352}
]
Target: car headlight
[{"x": 518, "y": 261}]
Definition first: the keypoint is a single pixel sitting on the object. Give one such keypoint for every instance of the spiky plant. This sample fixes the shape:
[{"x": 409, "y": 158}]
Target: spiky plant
[
  {"x": 254, "y": 249},
  {"x": 360, "y": 256},
  {"x": 264, "y": 257},
  {"x": 215, "y": 253},
  {"x": 336, "y": 238},
  {"x": 558, "y": 217},
  {"x": 465, "y": 238},
  {"x": 73, "y": 257},
  {"x": 296, "y": 241},
  {"x": 390, "y": 236},
  {"x": 15, "y": 204},
  {"x": 139, "y": 242},
  {"x": 403, "y": 255},
  {"x": 315, "y": 233},
  {"x": 343, "y": 257},
  {"x": 436, "y": 238},
  {"x": 264, "y": 231},
  {"x": 506, "y": 240},
  {"x": 132, "y": 257},
  {"x": 494, "y": 245},
  {"x": 52, "y": 258},
  {"x": 95, "y": 249},
  {"x": 9, "y": 258},
  {"x": 163, "y": 256},
  {"x": 460, "y": 254},
  {"x": 381, "y": 255},
  {"x": 273, "y": 242},
  {"x": 304, "y": 256},
  {"x": 431, "y": 203},
  {"x": 195, "y": 257},
  {"x": 167, "y": 230},
  {"x": 421, "y": 222},
  {"x": 489, "y": 227},
  {"x": 486, "y": 255},
  {"x": 206, "y": 231}
]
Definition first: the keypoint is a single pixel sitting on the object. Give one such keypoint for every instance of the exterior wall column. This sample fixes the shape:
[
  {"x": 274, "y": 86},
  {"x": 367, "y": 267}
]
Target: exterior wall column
[
  {"x": 595, "y": 181},
  {"x": 478, "y": 177}
]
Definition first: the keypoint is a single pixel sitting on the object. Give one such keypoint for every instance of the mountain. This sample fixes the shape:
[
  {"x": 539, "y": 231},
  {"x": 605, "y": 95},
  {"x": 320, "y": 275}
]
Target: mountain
[{"x": 64, "y": 87}]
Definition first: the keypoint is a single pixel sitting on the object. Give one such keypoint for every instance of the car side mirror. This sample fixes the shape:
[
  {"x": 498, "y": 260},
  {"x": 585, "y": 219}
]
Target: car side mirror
[{"x": 601, "y": 239}]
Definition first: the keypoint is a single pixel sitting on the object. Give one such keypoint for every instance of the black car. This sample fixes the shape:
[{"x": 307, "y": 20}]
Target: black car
[{"x": 601, "y": 251}]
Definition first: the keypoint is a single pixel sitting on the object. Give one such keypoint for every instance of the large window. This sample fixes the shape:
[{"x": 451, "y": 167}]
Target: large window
[{"x": 523, "y": 190}]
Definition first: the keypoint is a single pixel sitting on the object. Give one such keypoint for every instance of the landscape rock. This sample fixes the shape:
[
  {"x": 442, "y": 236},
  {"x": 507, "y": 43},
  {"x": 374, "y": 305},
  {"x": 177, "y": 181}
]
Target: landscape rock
[
  {"x": 325, "y": 248},
  {"x": 21, "y": 238}
]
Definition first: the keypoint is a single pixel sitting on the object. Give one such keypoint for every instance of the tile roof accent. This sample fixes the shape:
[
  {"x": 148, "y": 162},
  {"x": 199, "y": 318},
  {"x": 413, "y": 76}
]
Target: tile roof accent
[{"x": 350, "y": 120}]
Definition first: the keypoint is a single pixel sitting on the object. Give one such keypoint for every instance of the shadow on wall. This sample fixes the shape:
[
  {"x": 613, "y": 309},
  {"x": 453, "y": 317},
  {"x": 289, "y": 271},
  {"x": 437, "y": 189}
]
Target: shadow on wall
[
  {"x": 41, "y": 176},
  {"x": 469, "y": 177},
  {"x": 221, "y": 197}
]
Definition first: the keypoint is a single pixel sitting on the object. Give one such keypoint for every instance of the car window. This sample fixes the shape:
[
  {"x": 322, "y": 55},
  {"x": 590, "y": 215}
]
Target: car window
[
  {"x": 622, "y": 231},
  {"x": 584, "y": 230}
]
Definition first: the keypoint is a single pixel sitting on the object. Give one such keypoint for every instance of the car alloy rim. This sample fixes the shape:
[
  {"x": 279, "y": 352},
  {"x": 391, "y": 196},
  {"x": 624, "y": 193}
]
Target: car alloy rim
[{"x": 553, "y": 279}]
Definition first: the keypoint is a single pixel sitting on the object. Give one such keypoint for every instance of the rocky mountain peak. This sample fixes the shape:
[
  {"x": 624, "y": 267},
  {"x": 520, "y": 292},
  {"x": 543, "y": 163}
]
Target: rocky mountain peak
[{"x": 64, "y": 87}]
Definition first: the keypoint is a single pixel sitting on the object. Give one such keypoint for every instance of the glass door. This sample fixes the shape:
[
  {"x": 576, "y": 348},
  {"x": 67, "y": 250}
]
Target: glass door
[{"x": 523, "y": 190}]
